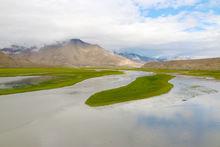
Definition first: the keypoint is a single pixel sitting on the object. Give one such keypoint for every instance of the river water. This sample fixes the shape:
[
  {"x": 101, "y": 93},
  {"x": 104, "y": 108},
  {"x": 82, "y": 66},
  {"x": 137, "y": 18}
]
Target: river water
[
  {"x": 21, "y": 81},
  {"x": 187, "y": 116}
]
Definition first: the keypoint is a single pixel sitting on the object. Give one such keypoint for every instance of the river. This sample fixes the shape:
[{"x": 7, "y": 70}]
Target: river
[{"x": 187, "y": 116}]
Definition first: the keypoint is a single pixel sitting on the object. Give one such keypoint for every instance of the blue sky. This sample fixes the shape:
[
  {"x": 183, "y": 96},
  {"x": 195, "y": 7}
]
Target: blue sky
[
  {"x": 150, "y": 27},
  {"x": 204, "y": 6},
  {"x": 200, "y": 6}
]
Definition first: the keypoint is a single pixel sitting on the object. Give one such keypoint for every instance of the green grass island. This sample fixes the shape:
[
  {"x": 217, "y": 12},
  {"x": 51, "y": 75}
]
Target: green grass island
[{"x": 141, "y": 88}]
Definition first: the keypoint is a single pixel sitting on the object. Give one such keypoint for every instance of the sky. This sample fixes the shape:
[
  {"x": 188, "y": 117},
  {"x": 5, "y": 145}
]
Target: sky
[{"x": 149, "y": 27}]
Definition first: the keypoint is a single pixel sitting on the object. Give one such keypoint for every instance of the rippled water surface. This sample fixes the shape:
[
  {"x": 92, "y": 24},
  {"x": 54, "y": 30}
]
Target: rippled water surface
[{"x": 188, "y": 116}]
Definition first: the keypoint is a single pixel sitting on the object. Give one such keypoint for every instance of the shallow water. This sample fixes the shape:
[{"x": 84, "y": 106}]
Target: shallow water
[
  {"x": 188, "y": 116},
  {"x": 21, "y": 81}
]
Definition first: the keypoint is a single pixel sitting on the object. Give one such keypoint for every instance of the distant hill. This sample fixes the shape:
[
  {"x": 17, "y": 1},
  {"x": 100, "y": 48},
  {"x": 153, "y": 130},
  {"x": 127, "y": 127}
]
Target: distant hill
[
  {"x": 16, "y": 49},
  {"x": 196, "y": 64},
  {"x": 136, "y": 57},
  {"x": 71, "y": 53},
  {"x": 6, "y": 61}
]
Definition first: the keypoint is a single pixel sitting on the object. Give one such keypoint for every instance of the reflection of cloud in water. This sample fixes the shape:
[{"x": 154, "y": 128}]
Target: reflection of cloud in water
[
  {"x": 22, "y": 81},
  {"x": 61, "y": 119},
  {"x": 185, "y": 125}
]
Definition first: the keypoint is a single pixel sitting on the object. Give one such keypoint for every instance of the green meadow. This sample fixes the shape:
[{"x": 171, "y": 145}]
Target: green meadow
[
  {"x": 201, "y": 73},
  {"x": 141, "y": 88},
  {"x": 60, "y": 77}
]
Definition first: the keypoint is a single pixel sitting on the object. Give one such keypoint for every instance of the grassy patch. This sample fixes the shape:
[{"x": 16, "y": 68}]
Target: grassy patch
[
  {"x": 61, "y": 77},
  {"x": 141, "y": 88},
  {"x": 203, "y": 73}
]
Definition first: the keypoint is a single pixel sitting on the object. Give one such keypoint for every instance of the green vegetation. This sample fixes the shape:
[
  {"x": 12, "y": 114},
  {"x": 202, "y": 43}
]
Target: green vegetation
[
  {"x": 213, "y": 74},
  {"x": 60, "y": 77},
  {"x": 203, "y": 73},
  {"x": 141, "y": 88}
]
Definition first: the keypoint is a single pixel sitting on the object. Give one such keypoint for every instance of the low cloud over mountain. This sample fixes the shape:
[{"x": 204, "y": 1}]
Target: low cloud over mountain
[{"x": 71, "y": 53}]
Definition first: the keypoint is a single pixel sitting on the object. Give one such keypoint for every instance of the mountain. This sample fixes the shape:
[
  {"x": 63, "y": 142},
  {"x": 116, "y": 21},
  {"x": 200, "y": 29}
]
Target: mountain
[
  {"x": 142, "y": 58},
  {"x": 11, "y": 60},
  {"x": 6, "y": 61},
  {"x": 136, "y": 57},
  {"x": 76, "y": 52},
  {"x": 16, "y": 49},
  {"x": 71, "y": 53},
  {"x": 195, "y": 64},
  {"x": 172, "y": 57}
]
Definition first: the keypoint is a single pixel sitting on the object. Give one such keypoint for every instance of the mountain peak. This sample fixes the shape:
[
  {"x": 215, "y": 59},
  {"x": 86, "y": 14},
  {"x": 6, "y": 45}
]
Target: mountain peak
[{"x": 78, "y": 42}]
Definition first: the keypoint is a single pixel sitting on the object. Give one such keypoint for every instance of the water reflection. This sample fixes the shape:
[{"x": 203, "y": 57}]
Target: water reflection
[
  {"x": 24, "y": 82},
  {"x": 187, "y": 125},
  {"x": 163, "y": 121}
]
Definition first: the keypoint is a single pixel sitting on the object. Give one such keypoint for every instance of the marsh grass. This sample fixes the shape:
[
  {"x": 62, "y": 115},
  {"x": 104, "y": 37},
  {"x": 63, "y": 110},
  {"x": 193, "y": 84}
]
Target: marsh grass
[
  {"x": 201, "y": 73},
  {"x": 141, "y": 88},
  {"x": 61, "y": 77}
]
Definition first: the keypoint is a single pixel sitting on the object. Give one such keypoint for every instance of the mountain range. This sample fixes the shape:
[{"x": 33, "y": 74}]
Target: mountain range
[
  {"x": 6, "y": 61},
  {"x": 70, "y": 53},
  {"x": 143, "y": 58},
  {"x": 137, "y": 58},
  {"x": 77, "y": 53}
]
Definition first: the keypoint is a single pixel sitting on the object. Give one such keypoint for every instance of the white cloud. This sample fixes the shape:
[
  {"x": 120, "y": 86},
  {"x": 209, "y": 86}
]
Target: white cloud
[
  {"x": 165, "y": 3},
  {"x": 113, "y": 24}
]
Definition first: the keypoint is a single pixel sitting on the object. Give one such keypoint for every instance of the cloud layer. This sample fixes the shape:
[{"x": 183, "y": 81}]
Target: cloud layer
[{"x": 177, "y": 27}]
